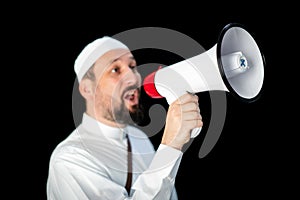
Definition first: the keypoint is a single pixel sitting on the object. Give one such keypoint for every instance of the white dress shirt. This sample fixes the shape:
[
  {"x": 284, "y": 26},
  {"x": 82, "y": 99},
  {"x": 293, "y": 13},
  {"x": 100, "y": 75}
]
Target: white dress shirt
[{"x": 91, "y": 163}]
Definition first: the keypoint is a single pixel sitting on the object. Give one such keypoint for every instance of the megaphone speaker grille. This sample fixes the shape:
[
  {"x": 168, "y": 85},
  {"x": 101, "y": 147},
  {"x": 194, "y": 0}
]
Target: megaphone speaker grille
[{"x": 240, "y": 62}]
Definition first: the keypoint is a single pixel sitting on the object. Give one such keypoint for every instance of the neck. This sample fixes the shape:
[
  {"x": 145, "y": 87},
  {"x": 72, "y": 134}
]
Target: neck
[
  {"x": 104, "y": 120},
  {"x": 109, "y": 122}
]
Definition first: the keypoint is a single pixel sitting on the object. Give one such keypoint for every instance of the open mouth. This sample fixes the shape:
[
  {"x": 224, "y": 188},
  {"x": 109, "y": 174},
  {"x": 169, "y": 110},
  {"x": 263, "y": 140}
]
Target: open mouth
[{"x": 131, "y": 97}]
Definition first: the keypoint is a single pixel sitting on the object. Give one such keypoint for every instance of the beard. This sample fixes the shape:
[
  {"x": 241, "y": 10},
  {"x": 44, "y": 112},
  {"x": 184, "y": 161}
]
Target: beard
[
  {"x": 123, "y": 115},
  {"x": 115, "y": 110}
]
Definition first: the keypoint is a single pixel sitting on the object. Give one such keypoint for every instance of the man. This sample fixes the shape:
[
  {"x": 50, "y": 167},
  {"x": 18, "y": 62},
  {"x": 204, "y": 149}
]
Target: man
[{"x": 93, "y": 162}]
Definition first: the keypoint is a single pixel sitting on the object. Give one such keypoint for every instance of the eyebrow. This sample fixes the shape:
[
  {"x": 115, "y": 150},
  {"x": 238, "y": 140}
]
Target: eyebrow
[{"x": 115, "y": 60}]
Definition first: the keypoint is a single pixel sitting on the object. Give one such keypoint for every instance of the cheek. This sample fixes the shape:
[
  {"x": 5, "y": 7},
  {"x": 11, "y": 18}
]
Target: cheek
[
  {"x": 108, "y": 88},
  {"x": 139, "y": 78}
]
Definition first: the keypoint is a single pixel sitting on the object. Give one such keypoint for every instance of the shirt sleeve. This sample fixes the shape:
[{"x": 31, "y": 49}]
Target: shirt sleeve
[{"x": 158, "y": 181}]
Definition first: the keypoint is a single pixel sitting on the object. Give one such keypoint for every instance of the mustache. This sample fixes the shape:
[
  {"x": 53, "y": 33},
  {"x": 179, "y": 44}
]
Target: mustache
[{"x": 132, "y": 87}]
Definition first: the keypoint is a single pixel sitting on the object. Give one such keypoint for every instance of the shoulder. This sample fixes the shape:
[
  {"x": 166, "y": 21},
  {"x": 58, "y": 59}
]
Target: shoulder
[{"x": 69, "y": 150}]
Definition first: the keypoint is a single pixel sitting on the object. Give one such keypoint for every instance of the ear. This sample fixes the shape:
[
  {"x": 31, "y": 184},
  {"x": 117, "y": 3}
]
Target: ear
[{"x": 86, "y": 89}]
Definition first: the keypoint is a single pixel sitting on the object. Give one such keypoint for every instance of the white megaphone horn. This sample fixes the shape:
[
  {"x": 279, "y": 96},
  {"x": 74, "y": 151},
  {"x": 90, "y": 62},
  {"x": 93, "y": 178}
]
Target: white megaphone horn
[{"x": 235, "y": 64}]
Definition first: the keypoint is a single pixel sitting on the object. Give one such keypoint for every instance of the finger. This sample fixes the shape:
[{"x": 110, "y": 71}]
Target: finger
[
  {"x": 189, "y": 116},
  {"x": 199, "y": 123},
  {"x": 194, "y": 124},
  {"x": 190, "y": 106},
  {"x": 187, "y": 98}
]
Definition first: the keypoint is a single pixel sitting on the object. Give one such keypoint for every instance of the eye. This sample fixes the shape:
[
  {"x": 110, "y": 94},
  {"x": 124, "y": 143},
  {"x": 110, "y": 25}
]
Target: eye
[
  {"x": 133, "y": 67},
  {"x": 115, "y": 70}
]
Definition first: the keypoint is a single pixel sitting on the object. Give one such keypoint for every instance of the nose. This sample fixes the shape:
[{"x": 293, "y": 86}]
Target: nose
[{"x": 131, "y": 76}]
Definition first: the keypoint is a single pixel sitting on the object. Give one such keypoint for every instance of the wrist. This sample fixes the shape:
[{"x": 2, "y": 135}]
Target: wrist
[{"x": 172, "y": 145}]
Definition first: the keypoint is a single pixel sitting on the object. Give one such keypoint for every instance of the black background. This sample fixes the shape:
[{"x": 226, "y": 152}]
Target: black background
[{"x": 252, "y": 155}]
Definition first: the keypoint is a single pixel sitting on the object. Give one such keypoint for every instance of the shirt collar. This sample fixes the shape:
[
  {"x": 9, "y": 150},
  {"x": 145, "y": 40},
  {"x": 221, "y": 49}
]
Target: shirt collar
[{"x": 96, "y": 127}]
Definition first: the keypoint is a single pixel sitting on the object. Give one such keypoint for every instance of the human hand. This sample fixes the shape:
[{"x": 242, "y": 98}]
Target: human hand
[{"x": 183, "y": 116}]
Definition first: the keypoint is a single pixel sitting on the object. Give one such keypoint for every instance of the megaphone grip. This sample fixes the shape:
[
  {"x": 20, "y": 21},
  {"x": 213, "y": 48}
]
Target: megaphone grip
[{"x": 195, "y": 132}]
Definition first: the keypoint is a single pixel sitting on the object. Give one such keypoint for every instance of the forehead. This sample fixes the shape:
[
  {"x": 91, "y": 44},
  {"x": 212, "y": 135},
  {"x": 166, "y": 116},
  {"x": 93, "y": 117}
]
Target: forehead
[{"x": 106, "y": 59}]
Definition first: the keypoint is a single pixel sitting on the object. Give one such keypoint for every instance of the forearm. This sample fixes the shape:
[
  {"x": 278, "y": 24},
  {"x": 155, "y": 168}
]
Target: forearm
[{"x": 157, "y": 182}]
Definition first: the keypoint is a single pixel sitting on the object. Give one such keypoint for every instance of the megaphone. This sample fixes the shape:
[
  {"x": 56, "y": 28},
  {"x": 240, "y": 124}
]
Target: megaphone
[{"x": 234, "y": 64}]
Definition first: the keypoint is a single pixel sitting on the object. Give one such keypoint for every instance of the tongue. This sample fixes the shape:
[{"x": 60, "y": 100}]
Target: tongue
[{"x": 131, "y": 97}]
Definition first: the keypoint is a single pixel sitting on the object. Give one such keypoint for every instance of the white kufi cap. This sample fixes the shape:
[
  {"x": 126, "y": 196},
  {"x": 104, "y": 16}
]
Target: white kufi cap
[{"x": 93, "y": 51}]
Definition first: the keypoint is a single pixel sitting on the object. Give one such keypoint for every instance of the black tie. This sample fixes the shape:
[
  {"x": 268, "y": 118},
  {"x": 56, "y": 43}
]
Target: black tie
[{"x": 129, "y": 164}]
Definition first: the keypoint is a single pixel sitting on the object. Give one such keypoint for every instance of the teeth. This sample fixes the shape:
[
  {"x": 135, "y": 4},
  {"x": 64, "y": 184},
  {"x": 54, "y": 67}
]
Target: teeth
[{"x": 131, "y": 92}]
